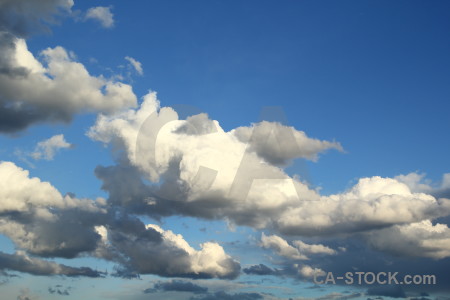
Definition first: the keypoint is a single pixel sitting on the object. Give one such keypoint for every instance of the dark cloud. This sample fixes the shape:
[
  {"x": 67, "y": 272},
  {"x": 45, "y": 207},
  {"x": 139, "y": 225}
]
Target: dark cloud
[
  {"x": 177, "y": 286},
  {"x": 59, "y": 290},
  {"x": 25, "y": 17},
  {"x": 225, "y": 296},
  {"x": 22, "y": 263},
  {"x": 394, "y": 291},
  {"x": 260, "y": 269}
]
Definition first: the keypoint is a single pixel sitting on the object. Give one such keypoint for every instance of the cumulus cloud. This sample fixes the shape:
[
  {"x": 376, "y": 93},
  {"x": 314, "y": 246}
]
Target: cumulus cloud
[
  {"x": 420, "y": 184},
  {"x": 278, "y": 144},
  {"x": 42, "y": 222},
  {"x": 204, "y": 171},
  {"x": 48, "y": 148},
  {"x": 101, "y": 14},
  {"x": 374, "y": 202},
  {"x": 53, "y": 91},
  {"x": 422, "y": 239},
  {"x": 151, "y": 250},
  {"x": 136, "y": 65},
  {"x": 281, "y": 247}
]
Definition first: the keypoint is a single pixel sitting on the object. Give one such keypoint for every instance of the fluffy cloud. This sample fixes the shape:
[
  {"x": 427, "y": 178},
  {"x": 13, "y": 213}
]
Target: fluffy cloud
[
  {"x": 419, "y": 184},
  {"x": 281, "y": 247},
  {"x": 206, "y": 172},
  {"x": 279, "y": 144},
  {"x": 101, "y": 14},
  {"x": 152, "y": 250},
  {"x": 47, "y": 149},
  {"x": 40, "y": 221},
  {"x": 422, "y": 239},
  {"x": 21, "y": 194},
  {"x": 33, "y": 92},
  {"x": 372, "y": 203}
]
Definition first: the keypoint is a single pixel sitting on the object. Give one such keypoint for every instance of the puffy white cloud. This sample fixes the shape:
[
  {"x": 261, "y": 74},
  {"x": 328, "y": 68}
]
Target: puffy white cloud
[
  {"x": 372, "y": 203},
  {"x": 309, "y": 272},
  {"x": 420, "y": 184},
  {"x": 297, "y": 250},
  {"x": 313, "y": 248},
  {"x": 101, "y": 14},
  {"x": 20, "y": 193},
  {"x": 421, "y": 239},
  {"x": 47, "y": 149},
  {"x": 32, "y": 92},
  {"x": 137, "y": 66},
  {"x": 281, "y": 247}
]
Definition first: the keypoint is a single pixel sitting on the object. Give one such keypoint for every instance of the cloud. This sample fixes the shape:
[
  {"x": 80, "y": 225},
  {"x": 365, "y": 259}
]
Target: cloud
[
  {"x": 25, "y": 294},
  {"x": 59, "y": 290},
  {"x": 225, "y": 296},
  {"x": 21, "y": 262},
  {"x": 48, "y": 148},
  {"x": 394, "y": 291},
  {"x": 422, "y": 239},
  {"x": 177, "y": 286},
  {"x": 54, "y": 91},
  {"x": 137, "y": 66},
  {"x": 242, "y": 186},
  {"x": 260, "y": 269},
  {"x": 419, "y": 184},
  {"x": 23, "y": 17},
  {"x": 281, "y": 247},
  {"x": 101, "y": 14},
  {"x": 278, "y": 144},
  {"x": 151, "y": 250}
]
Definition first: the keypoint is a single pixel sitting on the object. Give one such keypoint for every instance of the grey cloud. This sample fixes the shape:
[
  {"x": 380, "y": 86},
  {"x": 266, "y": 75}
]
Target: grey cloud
[
  {"x": 394, "y": 291},
  {"x": 59, "y": 290},
  {"x": 177, "y": 286},
  {"x": 260, "y": 269},
  {"x": 225, "y": 296},
  {"x": 25, "y": 17},
  {"x": 278, "y": 144},
  {"x": 151, "y": 250},
  {"x": 22, "y": 263}
]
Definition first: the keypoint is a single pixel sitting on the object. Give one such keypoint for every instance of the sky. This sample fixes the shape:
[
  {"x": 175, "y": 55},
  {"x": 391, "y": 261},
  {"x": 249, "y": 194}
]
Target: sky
[{"x": 206, "y": 149}]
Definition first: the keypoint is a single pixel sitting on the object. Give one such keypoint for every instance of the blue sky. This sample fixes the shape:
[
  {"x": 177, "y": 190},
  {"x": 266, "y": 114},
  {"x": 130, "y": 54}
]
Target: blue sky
[{"x": 222, "y": 149}]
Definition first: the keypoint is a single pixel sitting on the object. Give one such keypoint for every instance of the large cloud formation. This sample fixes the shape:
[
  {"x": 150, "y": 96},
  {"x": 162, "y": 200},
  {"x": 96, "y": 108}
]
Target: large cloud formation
[
  {"x": 203, "y": 171},
  {"x": 42, "y": 222}
]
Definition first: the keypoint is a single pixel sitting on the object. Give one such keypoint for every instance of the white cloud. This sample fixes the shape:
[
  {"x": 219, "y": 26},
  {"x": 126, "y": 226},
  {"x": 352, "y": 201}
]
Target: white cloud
[
  {"x": 47, "y": 149},
  {"x": 101, "y": 14},
  {"x": 421, "y": 239},
  {"x": 313, "y": 248},
  {"x": 281, "y": 247},
  {"x": 208, "y": 173},
  {"x": 137, "y": 66},
  {"x": 297, "y": 250},
  {"x": 53, "y": 91}
]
